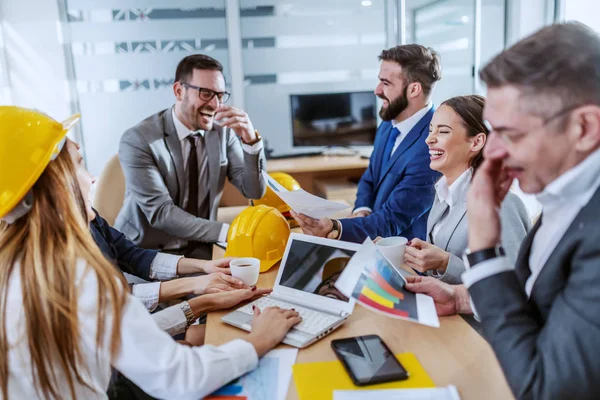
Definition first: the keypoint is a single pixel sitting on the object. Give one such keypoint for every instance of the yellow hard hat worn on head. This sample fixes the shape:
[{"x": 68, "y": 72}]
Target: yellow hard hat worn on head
[
  {"x": 260, "y": 232},
  {"x": 272, "y": 200},
  {"x": 29, "y": 140}
]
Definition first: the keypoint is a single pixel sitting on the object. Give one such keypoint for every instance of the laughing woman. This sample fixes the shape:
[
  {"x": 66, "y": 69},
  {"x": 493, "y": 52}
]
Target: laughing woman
[{"x": 457, "y": 135}]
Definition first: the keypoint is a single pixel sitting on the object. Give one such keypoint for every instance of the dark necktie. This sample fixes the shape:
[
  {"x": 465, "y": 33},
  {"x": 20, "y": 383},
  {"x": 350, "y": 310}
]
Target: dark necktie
[
  {"x": 523, "y": 269},
  {"x": 389, "y": 146},
  {"x": 192, "y": 205}
]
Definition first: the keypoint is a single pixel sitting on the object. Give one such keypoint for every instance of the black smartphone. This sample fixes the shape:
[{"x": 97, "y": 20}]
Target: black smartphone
[{"x": 368, "y": 360}]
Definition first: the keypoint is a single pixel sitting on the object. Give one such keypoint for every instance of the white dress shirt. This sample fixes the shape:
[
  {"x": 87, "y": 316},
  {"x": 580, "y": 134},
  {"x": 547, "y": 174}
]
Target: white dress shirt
[
  {"x": 149, "y": 357},
  {"x": 450, "y": 195},
  {"x": 561, "y": 200},
  {"x": 404, "y": 127},
  {"x": 163, "y": 268},
  {"x": 182, "y": 134}
]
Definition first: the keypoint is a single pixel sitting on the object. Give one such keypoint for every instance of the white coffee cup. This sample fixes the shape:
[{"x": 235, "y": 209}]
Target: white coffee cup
[
  {"x": 393, "y": 249},
  {"x": 246, "y": 269}
]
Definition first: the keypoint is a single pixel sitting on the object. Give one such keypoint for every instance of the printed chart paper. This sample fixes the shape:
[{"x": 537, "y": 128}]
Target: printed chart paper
[{"x": 375, "y": 284}]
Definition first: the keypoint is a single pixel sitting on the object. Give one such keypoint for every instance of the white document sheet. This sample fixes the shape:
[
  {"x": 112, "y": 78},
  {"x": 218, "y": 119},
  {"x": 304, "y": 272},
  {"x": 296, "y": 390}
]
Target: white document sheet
[
  {"x": 303, "y": 202},
  {"x": 269, "y": 381},
  {"x": 446, "y": 393}
]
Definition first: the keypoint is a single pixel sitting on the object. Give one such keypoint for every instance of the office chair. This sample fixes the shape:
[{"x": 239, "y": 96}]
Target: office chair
[{"x": 110, "y": 190}]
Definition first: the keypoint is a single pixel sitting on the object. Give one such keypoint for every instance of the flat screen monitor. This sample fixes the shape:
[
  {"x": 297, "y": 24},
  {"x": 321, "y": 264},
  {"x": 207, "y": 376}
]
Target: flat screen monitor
[{"x": 334, "y": 119}]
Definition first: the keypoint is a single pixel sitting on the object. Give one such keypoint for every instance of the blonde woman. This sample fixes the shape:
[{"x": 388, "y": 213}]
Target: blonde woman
[{"x": 65, "y": 314}]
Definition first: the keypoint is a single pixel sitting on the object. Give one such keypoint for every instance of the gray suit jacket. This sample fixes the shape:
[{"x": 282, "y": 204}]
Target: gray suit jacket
[
  {"x": 152, "y": 162},
  {"x": 548, "y": 344},
  {"x": 453, "y": 234}
]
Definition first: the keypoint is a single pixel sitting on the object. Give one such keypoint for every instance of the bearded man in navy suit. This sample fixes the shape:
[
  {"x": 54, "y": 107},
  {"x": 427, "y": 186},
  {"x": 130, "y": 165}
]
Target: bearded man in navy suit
[{"x": 396, "y": 191}]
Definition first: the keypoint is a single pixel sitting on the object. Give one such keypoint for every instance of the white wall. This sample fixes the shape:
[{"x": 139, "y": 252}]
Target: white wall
[
  {"x": 585, "y": 11},
  {"x": 34, "y": 56},
  {"x": 321, "y": 46},
  {"x": 526, "y": 17}
]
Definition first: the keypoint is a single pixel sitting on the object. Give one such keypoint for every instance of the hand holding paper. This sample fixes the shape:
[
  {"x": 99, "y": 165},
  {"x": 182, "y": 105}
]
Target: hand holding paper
[
  {"x": 370, "y": 278},
  {"x": 303, "y": 202}
]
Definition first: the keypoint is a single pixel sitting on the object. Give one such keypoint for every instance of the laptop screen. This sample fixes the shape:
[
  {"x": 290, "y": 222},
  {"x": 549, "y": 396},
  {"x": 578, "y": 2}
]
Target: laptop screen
[{"x": 314, "y": 268}]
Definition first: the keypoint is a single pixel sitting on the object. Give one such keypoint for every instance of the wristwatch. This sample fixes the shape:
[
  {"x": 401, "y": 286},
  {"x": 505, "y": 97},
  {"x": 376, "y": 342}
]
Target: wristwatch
[
  {"x": 187, "y": 310},
  {"x": 479, "y": 256},
  {"x": 258, "y": 139},
  {"x": 334, "y": 233}
]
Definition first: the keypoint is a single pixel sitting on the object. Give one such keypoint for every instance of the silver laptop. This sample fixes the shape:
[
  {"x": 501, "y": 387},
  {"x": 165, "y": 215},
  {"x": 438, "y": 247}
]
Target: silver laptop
[{"x": 305, "y": 282}]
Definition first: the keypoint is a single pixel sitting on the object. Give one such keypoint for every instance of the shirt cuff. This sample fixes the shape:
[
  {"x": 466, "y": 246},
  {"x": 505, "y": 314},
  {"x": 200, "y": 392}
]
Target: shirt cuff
[
  {"x": 474, "y": 310},
  {"x": 362, "y": 209},
  {"x": 253, "y": 149},
  {"x": 223, "y": 233},
  {"x": 148, "y": 293},
  {"x": 164, "y": 266},
  {"x": 171, "y": 320},
  {"x": 484, "y": 270},
  {"x": 243, "y": 353}
]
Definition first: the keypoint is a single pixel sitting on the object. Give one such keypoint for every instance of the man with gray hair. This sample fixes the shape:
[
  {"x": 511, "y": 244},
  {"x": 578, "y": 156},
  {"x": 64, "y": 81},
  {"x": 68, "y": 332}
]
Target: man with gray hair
[{"x": 541, "y": 317}]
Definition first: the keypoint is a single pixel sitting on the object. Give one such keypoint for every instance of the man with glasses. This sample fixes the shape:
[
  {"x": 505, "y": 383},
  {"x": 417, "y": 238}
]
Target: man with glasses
[
  {"x": 175, "y": 163},
  {"x": 541, "y": 316}
]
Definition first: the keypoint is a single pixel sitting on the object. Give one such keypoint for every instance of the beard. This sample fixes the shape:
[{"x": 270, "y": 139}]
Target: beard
[
  {"x": 395, "y": 107},
  {"x": 193, "y": 117}
]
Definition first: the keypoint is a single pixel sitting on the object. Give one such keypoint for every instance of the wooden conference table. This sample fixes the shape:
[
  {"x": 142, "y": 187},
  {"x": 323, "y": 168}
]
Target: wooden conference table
[{"x": 453, "y": 354}]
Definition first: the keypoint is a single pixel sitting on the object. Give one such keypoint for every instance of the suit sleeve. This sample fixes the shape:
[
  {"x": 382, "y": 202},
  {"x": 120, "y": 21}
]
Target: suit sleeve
[
  {"x": 515, "y": 223},
  {"x": 553, "y": 360},
  {"x": 150, "y": 192},
  {"x": 455, "y": 268},
  {"x": 408, "y": 201},
  {"x": 244, "y": 169},
  {"x": 130, "y": 258},
  {"x": 364, "y": 193}
]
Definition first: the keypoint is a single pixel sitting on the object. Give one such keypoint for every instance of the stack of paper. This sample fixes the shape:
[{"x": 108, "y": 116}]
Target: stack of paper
[{"x": 447, "y": 393}]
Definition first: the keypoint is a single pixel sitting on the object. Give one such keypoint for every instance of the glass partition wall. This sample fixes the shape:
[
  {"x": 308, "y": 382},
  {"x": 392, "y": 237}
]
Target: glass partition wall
[{"x": 123, "y": 55}]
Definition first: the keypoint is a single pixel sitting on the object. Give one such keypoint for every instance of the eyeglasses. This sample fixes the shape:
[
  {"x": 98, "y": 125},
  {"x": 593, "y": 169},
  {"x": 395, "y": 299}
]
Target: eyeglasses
[
  {"x": 512, "y": 140},
  {"x": 207, "y": 94}
]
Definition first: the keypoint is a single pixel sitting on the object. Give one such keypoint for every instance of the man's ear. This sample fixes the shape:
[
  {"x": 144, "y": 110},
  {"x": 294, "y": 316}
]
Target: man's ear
[
  {"x": 414, "y": 89},
  {"x": 584, "y": 127},
  {"x": 178, "y": 91},
  {"x": 478, "y": 142}
]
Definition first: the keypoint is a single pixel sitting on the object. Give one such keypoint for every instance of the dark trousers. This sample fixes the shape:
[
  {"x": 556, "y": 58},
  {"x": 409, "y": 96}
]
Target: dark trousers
[{"x": 197, "y": 250}]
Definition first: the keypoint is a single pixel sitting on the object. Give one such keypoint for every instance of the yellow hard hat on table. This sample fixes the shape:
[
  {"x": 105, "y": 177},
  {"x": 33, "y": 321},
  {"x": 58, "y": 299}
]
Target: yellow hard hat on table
[
  {"x": 29, "y": 140},
  {"x": 260, "y": 232},
  {"x": 272, "y": 200}
]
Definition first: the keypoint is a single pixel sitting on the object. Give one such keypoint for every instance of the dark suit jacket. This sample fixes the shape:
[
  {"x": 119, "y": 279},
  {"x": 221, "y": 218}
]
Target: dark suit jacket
[
  {"x": 400, "y": 194},
  {"x": 120, "y": 250},
  {"x": 548, "y": 345}
]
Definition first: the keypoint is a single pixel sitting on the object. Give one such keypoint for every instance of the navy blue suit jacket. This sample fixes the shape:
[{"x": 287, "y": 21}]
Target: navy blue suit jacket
[
  {"x": 120, "y": 250},
  {"x": 401, "y": 193}
]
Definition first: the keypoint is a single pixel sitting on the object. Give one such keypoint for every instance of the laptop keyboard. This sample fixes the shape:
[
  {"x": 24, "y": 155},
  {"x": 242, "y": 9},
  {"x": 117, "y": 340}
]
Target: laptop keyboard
[{"x": 313, "y": 321}]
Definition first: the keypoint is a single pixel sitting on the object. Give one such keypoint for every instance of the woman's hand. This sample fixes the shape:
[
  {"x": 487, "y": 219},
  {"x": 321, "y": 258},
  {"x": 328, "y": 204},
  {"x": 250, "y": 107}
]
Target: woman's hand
[
  {"x": 215, "y": 283},
  {"x": 270, "y": 326},
  {"x": 422, "y": 256},
  {"x": 189, "y": 266},
  {"x": 220, "y": 265},
  {"x": 224, "y": 300}
]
